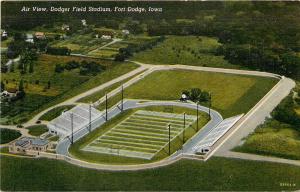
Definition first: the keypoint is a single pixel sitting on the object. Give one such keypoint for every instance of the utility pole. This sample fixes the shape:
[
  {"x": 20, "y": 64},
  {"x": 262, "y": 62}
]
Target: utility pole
[
  {"x": 122, "y": 107},
  {"x": 197, "y": 116},
  {"x": 71, "y": 114},
  {"x": 169, "y": 125},
  {"x": 106, "y": 107},
  {"x": 90, "y": 117},
  {"x": 209, "y": 104},
  {"x": 183, "y": 128}
]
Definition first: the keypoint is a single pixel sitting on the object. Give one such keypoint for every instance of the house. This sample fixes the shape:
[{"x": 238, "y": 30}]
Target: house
[
  {"x": 3, "y": 34},
  {"x": 27, "y": 143},
  {"x": 83, "y": 21},
  {"x": 106, "y": 37},
  {"x": 29, "y": 38},
  {"x": 65, "y": 27},
  {"x": 40, "y": 35},
  {"x": 10, "y": 93},
  {"x": 125, "y": 32}
]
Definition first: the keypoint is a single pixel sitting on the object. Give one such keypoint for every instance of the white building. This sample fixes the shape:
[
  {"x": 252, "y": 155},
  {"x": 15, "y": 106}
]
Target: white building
[
  {"x": 125, "y": 32},
  {"x": 29, "y": 38},
  {"x": 106, "y": 37}
]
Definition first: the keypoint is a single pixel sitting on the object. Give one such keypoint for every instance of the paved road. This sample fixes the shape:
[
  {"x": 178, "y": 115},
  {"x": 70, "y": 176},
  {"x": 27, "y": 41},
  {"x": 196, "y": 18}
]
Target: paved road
[
  {"x": 216, "y": 118},
  {"x": 257, "y": 115}
]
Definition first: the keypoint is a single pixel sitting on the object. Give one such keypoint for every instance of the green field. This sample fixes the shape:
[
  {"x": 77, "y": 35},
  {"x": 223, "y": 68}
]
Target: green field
[
  {"x": 216, "y": 174},
  {"x": 55, "y": 112},
  {"x": 37, "y": 130},
  {"x": 76, "y": 148},
  {"x": 273, "y": 139},
  {"x": 231, "y": 94},
  {"x": 81, "y": 43},
  {"x": 96, "y": 96},
  {"x": 7, "y": 135},
  {"x": 63, "y": 85},
  {"x": 186, "y": 50}
]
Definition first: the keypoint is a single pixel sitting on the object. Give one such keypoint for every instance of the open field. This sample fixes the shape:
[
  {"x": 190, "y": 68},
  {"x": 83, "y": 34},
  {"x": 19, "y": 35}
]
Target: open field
[
  {"x": 63, "y": 85},
  {"x": 7, "y": 135},
  {"x": 81, "y": 43},
  {"x": 273, "y": 139},
  {"x": 231, "y": 94},
  {"x": 96, "y": 96},
  {"x": 186, "y": 175},
  {"x": 116, "y": 128},
  {"x": 53, "y": 113},
  {"x": 37, "y": 130},
  {"x": 186, "y": 50}
]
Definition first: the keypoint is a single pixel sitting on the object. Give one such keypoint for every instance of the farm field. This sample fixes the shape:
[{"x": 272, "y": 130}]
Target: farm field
[
  {"x": 273, "y": 139},
  {"x": 113, "y": 142},
  {"x": 7, "y": 135},
  {"x": 215, "y": 174},
  {"x": 231, "y": 94},
  {"x": 63, "y": 85},
  {"x": 187, "y": 50},
  {"x": 81, "y": 44}
]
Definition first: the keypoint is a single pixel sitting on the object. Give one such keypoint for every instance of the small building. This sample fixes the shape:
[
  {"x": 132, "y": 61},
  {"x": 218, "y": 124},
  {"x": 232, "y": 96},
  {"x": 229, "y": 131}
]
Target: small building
[
  {"x": 4, "y": 34},
  {"x": 106, "y": 37},
  {"x": 65, "y": 27},
  {"x": 83, "y": 21},
  {"x": 125, "y": 32},
  {"x": 27, "y": 143},
  {"x": 29, "y": 38},
  {"x": 40, "y": 35},
  {"x": 183, "y": 97},
  {"x": 10, "y": 93}
]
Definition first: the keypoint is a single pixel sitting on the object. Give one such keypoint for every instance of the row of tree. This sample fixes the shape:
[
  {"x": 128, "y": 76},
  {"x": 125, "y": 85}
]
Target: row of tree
[
  {"x": 85, "y": 67},
  {"x": 197, "y": 95}
]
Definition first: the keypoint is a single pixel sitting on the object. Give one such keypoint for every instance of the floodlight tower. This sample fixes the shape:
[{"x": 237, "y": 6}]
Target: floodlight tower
[
  {"x": 122, "y": 100},
  {"x": 169, "y": 126},
  {"x": 183, "y": 128},
  {"x": 209, "y": 104},
  {"x": 90, "y": 117},
  {"x": 72, "y": 127},
  {"x": 197, "y": 116},
  {"x": 106, "y": 107}
]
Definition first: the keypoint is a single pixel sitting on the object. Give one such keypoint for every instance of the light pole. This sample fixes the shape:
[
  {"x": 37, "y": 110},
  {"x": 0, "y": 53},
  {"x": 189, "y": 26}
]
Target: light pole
[
  {"x": 183, "y": 129},
  {"x": 197, "y": 116},
  {"x": 106, "y": 107},
  {"x": 122, "y": 107},
  {"x": 90, "y": 117},
  {"x": 169, "y": 125},
  {"x": 209, "y": 104},
  {"x": 71, "y": 115}
]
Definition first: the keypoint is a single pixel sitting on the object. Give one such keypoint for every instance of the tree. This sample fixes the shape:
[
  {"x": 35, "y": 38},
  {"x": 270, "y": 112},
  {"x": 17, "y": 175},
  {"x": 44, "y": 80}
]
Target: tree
[
  {"x": 48, "y": 85},
  {"x": 30, "y": 67},
  {"x": 2, "y": 86},
  {"x": 195, "y": 94},
  {"x": 21, "y": 85},
  {"x": 59, "y": 68}
]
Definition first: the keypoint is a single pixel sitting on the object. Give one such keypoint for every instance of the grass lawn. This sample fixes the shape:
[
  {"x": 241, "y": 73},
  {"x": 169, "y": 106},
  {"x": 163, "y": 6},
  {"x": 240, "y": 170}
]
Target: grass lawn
[
  {"x": 186, "y": 50},
  {"x": 216, "y": 174},
  {"x": 63, "y": 85},
  {"x": 54, "y": 138},
  {"x": 96, "y": 96},
  {"x": 75, "y": 149},
  {"x": 273, "y": 139},
  {"x": 8, "y": 135},
  {"x": 231, "y": 94},
  {"x": 55, "y": 112},
  {"x": 37, "y": 130}
]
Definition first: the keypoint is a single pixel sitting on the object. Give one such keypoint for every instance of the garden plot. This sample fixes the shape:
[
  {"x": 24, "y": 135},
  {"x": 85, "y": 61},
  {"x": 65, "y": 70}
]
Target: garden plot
[{"x": 141, "y": 135}]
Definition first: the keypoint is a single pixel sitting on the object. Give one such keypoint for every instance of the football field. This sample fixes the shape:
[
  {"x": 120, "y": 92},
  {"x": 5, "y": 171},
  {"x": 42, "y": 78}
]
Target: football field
[{"x": 142, "y": 135}]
